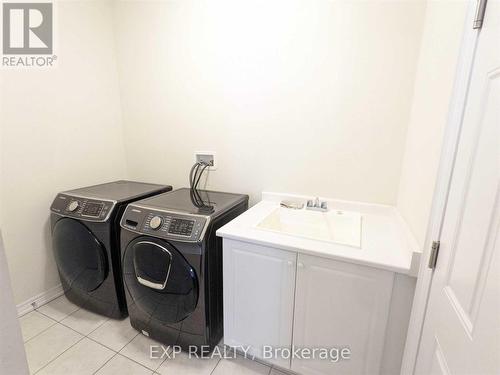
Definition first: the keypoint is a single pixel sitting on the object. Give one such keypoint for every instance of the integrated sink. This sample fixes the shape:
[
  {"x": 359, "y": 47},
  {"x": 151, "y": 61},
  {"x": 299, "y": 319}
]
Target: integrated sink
[{"x": 342, "y": 227}]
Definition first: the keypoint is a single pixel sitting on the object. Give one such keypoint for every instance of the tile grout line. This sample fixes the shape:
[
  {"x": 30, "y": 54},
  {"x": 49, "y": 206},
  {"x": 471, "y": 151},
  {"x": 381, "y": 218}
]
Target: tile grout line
[
  {"x": 83, "y": 334},
  {"x": 74, "y": 330},
  {"x": 216, "y": 365},
  {"x": 140, "y": 364},
  {"x": 96, "y": 328},
  {"x": 162, "y": 362},
  {"x": 105, "y": 363},
  {"x": 119, "y": 351},
  {"x": 53, "y": 325},
  {"x": 60, "y": 354},
  {"x": 155, "y": 370},
  {"x": 133, "y": 360},
  {"x": 90, "y": 338},
  {"x": 61, "y": 322},
  {"x": 48, "y": 316},
  {"x": 97, "y": 342},
  {"x": 116, "y": 351},
  {"x": 81, "y": 339},
  {"x": 42, "y": 331}
]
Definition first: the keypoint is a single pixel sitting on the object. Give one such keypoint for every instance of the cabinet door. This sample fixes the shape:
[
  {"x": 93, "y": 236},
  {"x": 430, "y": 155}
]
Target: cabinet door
[
  {"x": 259, "y": 286},
  {"x": 340, "y": 305}
]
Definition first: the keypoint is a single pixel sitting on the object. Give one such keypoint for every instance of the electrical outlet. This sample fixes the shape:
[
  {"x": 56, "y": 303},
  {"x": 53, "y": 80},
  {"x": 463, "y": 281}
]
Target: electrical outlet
[{"x": 207, "y": 157}]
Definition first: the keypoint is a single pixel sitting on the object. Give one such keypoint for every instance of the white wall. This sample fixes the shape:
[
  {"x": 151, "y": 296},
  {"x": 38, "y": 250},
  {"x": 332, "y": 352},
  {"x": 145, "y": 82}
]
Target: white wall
[
  {"x": 61, "y": 129},
  {"x": 444, "y": 23},
  {"x": 12, "y": 354},
  {"x": 299, "y": 96}
]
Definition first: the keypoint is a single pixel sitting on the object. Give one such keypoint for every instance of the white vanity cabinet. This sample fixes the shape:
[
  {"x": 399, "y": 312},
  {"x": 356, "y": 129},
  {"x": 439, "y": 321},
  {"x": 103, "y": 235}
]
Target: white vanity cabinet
[
  {"x": 259, "y": 286},
  {"x": 283, "y": 299},
  {"x": 338, "y": 305}
]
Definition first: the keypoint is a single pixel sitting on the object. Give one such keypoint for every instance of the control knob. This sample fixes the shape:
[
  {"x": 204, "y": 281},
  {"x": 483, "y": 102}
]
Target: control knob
[
  {"x": 156, "y": 222},
  {"x": 73, "y": 206}
]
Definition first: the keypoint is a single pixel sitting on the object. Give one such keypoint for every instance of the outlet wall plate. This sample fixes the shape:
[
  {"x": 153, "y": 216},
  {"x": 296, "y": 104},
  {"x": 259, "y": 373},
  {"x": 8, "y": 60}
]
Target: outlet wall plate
[{"x": 207, "y": 156}]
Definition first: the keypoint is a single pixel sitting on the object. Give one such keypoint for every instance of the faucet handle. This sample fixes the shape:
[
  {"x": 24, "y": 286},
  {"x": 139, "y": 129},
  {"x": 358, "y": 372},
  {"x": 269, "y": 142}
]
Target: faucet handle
[{"x": 317, "y": 205}]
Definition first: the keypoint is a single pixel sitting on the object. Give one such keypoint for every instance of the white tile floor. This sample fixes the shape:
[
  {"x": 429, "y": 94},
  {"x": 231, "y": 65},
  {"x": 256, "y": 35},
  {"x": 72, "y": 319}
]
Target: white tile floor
[{"x": 61, "y": 339}]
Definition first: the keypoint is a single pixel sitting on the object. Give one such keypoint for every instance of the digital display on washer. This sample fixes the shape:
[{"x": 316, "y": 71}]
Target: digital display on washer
[
  {"x": 182, "y": 227},
  {"x": 92, "y": 209}
]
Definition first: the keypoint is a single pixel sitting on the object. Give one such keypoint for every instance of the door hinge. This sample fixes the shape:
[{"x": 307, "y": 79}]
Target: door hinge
[
  {"x": 479, "y": 17},
  {"x": 434, "y": 254}
]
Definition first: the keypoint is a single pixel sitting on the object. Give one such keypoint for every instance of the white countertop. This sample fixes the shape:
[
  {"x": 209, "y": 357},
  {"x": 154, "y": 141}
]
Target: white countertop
[{"x": 386, "y": 241}]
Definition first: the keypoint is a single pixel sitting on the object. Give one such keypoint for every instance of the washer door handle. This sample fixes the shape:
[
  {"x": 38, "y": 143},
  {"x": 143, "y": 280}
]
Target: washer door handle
[
  {"x": 144, "y": 280},
  {"x": 150, "y": 284}
]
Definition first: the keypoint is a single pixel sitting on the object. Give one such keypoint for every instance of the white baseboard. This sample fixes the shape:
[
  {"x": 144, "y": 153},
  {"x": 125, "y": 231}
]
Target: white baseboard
[{"x": 39, "y": 300}]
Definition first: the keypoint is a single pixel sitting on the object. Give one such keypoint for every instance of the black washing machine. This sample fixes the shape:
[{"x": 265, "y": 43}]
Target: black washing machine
[
  {"x": 85, "y": 238},
  {"x": 172, "y": 265}
]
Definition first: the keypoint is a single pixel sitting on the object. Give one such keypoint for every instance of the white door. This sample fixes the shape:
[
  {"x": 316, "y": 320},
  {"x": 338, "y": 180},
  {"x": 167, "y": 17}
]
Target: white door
[
  {"x": 259, "y": 287},
  {"x": 340, "y": 305},
  {"x": 461, "y": 333}
]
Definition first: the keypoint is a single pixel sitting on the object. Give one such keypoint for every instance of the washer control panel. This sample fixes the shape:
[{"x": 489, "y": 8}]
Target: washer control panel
[
  {"x": 181, "y": 227},
  {"x": 82, "y": 208},
  {"x": 164, "y": 224}
]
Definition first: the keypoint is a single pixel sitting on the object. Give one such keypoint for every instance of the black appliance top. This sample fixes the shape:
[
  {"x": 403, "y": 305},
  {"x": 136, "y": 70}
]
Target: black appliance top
[
  {"x": 212, "y": 203},
  {"x": 118, "y": 191}
]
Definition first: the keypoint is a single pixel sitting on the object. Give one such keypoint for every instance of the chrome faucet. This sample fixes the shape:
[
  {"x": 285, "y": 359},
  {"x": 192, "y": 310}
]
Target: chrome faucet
[{"x": 317, "y": 205}]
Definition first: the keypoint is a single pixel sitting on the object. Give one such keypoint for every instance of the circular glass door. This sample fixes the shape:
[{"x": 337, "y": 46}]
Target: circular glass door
[
  {"x": 80, "y": 257},
  {"x": 160, "y": 281}
]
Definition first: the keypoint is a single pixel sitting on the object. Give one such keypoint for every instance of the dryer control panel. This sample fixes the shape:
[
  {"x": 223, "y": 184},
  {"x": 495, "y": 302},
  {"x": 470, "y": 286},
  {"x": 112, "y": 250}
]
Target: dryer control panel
[
  {"x": 165, "y": 224},
  {"x": 82, "y": 208}
]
